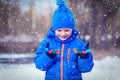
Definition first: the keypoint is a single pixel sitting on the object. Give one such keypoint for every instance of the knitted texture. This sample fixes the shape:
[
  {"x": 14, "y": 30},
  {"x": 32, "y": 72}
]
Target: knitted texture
[{"x": 62, "y": 17}]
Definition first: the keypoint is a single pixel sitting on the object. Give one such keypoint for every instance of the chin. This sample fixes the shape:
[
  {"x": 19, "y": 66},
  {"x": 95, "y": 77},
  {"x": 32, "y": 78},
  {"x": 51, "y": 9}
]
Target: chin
[{"x": 63, "y": 39}]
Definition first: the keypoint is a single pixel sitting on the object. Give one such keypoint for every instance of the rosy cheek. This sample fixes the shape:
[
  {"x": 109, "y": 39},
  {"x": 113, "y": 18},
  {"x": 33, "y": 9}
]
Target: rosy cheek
[{"x": 58, "y": 35}]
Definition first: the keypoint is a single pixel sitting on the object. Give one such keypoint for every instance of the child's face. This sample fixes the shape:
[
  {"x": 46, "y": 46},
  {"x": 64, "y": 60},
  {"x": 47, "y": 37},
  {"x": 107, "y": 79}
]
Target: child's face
[{"x": 63, "y": 33}]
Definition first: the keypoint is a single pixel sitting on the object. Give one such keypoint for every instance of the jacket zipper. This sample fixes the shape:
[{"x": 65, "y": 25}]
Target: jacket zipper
[{"x": 61, "y": 62}]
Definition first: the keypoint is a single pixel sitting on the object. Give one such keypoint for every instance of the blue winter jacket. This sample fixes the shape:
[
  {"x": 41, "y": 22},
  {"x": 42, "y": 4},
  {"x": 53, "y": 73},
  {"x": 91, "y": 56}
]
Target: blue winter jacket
[{"x": 67, "y": 65}]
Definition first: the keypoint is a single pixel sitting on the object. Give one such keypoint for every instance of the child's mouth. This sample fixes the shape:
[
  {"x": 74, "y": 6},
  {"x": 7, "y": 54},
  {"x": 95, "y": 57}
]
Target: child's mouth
[{"x": 63, "y": 37}]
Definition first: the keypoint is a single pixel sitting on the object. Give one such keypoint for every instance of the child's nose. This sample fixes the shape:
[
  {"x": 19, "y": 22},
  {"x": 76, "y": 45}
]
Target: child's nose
[{"x": 62, "y": 33}]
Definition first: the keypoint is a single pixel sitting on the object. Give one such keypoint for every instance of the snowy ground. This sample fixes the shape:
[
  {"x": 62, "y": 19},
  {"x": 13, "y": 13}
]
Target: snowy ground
[{"x": 104, "y": 69}]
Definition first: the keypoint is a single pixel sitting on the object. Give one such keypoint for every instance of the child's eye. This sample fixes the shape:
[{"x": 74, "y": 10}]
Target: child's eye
[
  {"x": 59, "y": 30},
  {"x": 67, "y": 30}
]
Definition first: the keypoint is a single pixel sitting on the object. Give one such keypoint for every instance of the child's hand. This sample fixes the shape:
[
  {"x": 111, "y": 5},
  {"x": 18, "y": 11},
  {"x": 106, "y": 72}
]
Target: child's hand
[
  {"x": 83, "y": 54},
  {"x": 51, "y": 53}
]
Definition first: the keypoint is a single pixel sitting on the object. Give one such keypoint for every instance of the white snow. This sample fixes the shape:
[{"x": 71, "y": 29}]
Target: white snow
[
  {"x": 104, "y": 69},
  {"x": 20, "y": 72},
  {"x": 18, "y": 38},
  {"x": 22, "y": 55}
]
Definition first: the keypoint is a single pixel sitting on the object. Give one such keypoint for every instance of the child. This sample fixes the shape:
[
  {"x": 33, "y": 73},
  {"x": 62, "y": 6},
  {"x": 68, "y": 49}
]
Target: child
[{"x": 62, "y": 55}]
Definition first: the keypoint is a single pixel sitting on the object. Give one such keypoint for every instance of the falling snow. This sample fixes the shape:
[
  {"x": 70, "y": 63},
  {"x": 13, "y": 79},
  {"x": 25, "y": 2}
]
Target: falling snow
[{"x": 27, "y": 21}]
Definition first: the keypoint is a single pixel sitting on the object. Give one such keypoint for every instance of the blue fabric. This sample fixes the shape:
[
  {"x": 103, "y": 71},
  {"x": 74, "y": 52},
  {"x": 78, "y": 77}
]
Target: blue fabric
[
  {"x": 62, "y": 17},
  {"x": 73, "y": 66},
  {"x": 61, "y": 3}
]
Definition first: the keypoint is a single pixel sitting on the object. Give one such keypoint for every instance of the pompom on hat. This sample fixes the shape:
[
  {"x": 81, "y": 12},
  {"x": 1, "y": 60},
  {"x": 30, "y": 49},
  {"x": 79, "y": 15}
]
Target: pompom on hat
[{"x": 62, "y": 17}]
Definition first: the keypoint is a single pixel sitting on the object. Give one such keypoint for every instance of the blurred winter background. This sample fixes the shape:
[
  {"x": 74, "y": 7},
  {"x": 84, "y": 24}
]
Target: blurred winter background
[{"x": 24, "y": 23}]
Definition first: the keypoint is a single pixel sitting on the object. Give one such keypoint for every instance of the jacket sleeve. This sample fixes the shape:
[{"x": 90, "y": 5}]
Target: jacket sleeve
[
  {"x": 86, "y": 65},
  {"x": 41, "y": 60}
]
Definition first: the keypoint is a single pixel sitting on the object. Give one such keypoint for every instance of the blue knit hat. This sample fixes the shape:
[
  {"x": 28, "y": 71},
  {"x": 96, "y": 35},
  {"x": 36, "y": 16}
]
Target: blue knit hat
[{"x": 62, "y": 17}]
